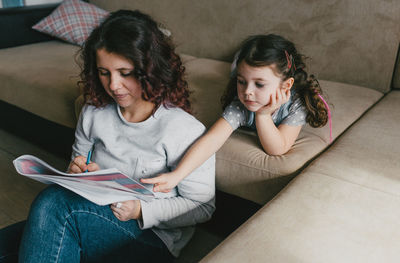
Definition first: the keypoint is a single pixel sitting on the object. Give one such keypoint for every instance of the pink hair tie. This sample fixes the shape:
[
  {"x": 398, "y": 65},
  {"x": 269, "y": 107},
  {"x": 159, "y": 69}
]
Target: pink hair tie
[
  {"x": 290, "y": 61},
  {"x": 329, "y": 117}
]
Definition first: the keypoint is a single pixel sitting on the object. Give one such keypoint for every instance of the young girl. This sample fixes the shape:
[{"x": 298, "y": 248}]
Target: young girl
[
  {"x": 270, "y": 92},
  {"x": 135, "y": 118}
]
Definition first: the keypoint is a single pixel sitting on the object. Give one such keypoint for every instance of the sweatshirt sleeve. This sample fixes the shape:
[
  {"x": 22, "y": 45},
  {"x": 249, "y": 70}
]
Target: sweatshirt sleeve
[
  {"x": 83, "y": 143},
  {"x": 195, "y": 199}
]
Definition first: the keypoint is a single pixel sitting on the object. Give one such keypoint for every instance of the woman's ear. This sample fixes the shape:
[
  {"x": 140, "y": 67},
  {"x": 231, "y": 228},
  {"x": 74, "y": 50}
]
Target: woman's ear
[{"x": 287, "y": 84}]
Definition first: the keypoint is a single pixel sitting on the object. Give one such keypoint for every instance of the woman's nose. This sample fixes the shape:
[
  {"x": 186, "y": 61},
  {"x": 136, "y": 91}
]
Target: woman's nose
[{"x": 114, "y": 83}]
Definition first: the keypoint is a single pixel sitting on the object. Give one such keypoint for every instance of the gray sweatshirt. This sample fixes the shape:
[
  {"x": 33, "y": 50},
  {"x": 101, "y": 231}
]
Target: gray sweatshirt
[{"x": 145, "y": 149}]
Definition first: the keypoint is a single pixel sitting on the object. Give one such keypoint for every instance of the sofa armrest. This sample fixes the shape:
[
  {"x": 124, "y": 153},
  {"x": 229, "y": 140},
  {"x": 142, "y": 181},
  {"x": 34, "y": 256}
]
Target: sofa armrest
[{"x": 16, "y": 25}]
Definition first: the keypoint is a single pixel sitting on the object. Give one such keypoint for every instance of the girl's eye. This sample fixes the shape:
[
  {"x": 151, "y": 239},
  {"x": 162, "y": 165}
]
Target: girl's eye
[{"x": 259, "y": 85}]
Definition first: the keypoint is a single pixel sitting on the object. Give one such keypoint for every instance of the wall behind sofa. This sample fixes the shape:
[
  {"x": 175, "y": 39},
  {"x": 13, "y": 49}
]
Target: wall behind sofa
[{"x": 352, "y": 41}]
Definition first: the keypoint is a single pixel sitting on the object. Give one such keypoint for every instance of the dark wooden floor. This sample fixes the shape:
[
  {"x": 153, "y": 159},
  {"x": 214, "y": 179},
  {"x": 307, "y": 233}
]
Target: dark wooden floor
[{"x": 16, "y": 191}]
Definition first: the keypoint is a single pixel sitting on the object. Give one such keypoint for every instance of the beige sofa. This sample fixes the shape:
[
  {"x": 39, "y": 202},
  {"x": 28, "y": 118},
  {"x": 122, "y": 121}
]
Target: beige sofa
[
  {"x": 312, "y": 219},
  {"x": 344, "y": 207}
]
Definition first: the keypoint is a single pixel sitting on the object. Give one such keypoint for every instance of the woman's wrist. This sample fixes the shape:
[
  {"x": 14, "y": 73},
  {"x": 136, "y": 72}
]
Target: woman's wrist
[{"x": 138, "y": 211}]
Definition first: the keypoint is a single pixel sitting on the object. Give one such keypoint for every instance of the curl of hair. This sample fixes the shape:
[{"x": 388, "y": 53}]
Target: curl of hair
[
  {"x": 274, "y": 50},
  {"x": 135, "y": 36},
  {"x": 308, "y": 89}
]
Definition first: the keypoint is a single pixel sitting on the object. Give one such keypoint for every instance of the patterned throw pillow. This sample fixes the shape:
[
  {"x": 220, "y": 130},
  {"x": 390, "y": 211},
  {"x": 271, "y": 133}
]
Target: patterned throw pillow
[{"x": 72, "y": 21}]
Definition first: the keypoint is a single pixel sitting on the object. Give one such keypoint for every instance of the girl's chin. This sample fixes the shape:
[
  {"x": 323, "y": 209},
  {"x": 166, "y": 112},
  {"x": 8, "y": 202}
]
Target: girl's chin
[
  {"x": 252, "y": 108},
  {"x": 251, "y": 105}
]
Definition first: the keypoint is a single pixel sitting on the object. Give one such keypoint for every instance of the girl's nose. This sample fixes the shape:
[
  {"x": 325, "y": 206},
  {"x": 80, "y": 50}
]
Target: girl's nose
[{"x": 249, "y": 90}]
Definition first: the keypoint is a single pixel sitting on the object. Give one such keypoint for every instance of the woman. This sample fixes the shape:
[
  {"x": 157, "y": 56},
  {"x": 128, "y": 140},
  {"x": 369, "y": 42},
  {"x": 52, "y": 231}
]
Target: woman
[{"x": 136, "y": 119}]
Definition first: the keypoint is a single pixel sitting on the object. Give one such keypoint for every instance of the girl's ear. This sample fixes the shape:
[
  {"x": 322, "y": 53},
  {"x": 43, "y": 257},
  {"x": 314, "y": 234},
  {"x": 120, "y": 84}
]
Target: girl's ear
[{"x": 287, "y": 84}]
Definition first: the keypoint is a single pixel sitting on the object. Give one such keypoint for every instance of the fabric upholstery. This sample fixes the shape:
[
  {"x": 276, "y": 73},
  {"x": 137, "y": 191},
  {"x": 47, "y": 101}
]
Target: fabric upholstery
[
  {"x": 316, "y": 219},
  {"x": 32, "y": 79},
  {"x": 336, "y": 35},
  {"x": 396, "y": 75},
  {"x": 344, "y": 207},
  {"x": 72, "y": 21},
  {"x": 207, "y": 80},
  {"x": 369, "y": 152}
]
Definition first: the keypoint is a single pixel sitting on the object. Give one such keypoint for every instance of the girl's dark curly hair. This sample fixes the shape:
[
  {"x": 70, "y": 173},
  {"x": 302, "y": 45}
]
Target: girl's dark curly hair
[
  {"x": 157, "y": 67},
  {"x": 266, "y": 50}
]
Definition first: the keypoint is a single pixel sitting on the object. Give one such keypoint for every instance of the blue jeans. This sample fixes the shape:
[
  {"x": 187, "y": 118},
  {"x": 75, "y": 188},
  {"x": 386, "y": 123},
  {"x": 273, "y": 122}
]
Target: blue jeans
[{"x": 64, "y": 227}]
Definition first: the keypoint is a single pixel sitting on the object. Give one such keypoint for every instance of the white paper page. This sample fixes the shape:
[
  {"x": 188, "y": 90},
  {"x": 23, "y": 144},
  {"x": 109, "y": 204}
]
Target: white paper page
[{"x": 101, "y": 187}]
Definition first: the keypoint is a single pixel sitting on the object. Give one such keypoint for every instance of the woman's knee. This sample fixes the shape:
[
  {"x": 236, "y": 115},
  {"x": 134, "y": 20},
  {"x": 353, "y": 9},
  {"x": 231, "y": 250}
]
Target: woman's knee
[
  {"x": 49, "y": 197},
  {"x": 52, "y": 199}
]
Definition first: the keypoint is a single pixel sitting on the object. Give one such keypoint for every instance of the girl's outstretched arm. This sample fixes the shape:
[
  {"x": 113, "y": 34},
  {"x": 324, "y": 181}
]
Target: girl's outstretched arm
[{"x": 197, "y": 154}]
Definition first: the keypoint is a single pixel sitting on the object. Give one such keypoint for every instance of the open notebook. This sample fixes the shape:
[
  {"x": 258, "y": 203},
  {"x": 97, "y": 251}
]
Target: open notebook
[{"x": 102, "y": 187}]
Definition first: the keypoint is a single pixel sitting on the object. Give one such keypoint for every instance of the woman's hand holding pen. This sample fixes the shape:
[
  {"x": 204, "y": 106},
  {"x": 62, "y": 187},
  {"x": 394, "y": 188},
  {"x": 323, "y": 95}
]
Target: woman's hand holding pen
[{"x": 78, "y": 165}]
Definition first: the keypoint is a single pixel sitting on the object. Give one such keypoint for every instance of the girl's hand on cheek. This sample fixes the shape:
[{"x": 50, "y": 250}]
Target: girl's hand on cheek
[
  {"x": 276, "y": 101},
  {"x": 127, "y": 210}
]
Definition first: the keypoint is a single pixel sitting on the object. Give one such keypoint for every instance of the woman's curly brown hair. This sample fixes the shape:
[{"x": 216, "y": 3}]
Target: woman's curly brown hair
[{"x": 157, "y": 67}]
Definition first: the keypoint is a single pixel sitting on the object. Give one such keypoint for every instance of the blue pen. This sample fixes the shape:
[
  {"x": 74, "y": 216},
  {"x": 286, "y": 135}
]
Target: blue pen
[{"x": 88, "y": 159}]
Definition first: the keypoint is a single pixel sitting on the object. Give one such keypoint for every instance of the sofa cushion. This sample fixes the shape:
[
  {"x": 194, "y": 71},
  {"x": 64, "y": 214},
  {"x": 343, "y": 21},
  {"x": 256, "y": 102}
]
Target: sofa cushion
[
  {"x": 318, "y": 218},
  {"x": 344, "y": 207},
  {"x": 41, "y": 78},
  {"x": 72, "y": 21},
  {"x": 245, "y": 170},
  {"x": 207, "y": 80},
  {"x": 369, "y": 153}
]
